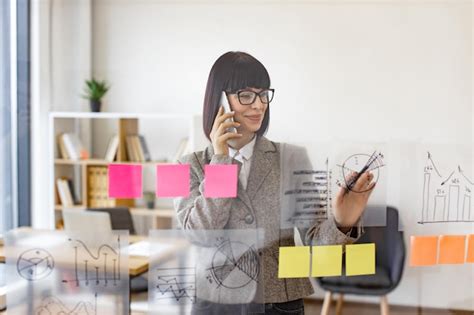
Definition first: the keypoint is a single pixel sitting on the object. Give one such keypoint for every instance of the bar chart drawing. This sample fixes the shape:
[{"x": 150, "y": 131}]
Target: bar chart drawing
[
  {"x": 446, "y": 198},
  {"x": 98, "y": 265}
]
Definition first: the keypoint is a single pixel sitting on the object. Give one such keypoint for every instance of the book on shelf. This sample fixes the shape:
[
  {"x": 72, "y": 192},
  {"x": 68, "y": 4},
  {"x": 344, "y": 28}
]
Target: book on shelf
[
  {"x": 131, "y": 152},
  {"x": 71, "y": 148},
  {"x": 97, "y": 189},
  {"x": 146, "y": 151},
  {"x": 112, "y": 149},
  {"x": 75, "y": 198},
  {"x": 64, "y": 192},
  {"x": 137, "y": 148},
  {"x": 62, "y": 148}
]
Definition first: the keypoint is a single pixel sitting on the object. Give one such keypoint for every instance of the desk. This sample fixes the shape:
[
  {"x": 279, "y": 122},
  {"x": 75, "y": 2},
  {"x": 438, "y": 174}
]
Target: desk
[
  {"x": 64, "y": 263},
  {"x": 136, "y": 265}
]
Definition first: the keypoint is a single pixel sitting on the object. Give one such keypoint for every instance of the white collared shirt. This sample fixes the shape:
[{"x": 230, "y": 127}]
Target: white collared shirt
[{"x": 244, "y": 156}]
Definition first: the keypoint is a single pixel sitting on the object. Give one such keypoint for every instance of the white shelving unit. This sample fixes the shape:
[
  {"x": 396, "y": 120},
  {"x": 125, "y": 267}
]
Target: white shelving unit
[{"x": 163, "y": 133}]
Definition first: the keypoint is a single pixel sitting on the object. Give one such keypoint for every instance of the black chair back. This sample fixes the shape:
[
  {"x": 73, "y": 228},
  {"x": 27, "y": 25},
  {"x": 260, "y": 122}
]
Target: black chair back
[{"x": 390, "y": 260}]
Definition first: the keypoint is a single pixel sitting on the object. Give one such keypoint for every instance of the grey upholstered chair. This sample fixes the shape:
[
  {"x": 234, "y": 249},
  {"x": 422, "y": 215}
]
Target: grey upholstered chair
[{"x": 390, "y": 258}]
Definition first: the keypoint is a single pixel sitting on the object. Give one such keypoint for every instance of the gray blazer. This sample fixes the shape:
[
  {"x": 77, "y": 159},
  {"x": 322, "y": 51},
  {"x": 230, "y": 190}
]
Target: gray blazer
[{"x": 256, "y": 207}]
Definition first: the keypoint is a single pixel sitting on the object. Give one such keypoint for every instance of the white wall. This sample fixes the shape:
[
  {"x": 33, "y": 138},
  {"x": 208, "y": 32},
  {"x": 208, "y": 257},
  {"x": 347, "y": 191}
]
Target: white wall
[
  {"x": 374, "y": 61},
  {"x": 60, "y": 61}
]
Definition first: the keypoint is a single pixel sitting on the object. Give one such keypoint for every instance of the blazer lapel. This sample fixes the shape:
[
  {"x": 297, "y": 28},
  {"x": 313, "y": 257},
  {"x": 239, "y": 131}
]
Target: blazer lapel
[{"x": 262, "y": 163}]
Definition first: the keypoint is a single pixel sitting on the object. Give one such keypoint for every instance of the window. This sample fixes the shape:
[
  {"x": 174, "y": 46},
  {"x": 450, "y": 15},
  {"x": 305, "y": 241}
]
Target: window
[
  {"x": 6, "y": 167},
  {"x": 14, "y": 115}
]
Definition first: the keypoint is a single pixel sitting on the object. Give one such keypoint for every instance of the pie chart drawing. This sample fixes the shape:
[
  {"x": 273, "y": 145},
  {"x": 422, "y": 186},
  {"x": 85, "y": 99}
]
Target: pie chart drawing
[
  {"x": 35, "y": 264},
  {"x": 235, "y": 265},
  {"x": 356, "y": 163}
]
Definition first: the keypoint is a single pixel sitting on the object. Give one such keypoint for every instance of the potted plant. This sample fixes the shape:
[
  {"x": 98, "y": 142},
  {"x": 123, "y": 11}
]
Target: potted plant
[
  {"x": 94, "y": 91},
  {"x": 149, "y": 197}
]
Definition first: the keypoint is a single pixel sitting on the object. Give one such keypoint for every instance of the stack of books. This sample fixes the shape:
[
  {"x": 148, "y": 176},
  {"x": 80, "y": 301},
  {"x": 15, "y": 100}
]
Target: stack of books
[
  {"x": 71, "y": 148},
  {"x": 137, "y": 149},
  {"x": 97, "y": 189}
]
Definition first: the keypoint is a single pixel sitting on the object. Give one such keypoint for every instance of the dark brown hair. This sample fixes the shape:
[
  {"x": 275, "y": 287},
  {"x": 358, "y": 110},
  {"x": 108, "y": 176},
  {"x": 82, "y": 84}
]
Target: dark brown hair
[{"x": 233, "y": 71}]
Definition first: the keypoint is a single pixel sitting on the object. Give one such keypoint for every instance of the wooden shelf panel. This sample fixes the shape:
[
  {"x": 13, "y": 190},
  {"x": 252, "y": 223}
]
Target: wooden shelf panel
[
  {"x": 164, "y": 213},
  {"x": 112, "y": 115},
  {"x": 60, "y": 207},
  {"x": 102, "y": 162},
  {"x": 81, "y": 162}
]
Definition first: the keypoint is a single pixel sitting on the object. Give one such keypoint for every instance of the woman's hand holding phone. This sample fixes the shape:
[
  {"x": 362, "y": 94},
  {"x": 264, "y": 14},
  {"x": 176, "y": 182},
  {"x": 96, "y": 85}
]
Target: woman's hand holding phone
[{"x": 219, "y": 133}]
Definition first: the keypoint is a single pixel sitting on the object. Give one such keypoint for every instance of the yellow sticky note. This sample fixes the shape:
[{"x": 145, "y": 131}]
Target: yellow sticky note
[
  {"x": 327, "y": 261},
  {"x": 360, "y": 259},
  {"x": 293, "y": 262}
]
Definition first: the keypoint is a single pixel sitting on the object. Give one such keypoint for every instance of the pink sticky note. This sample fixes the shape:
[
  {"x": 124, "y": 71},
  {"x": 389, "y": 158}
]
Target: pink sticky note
[
  {"x": 172, "y": 180},
  {"x": 220, "y": 181},
  {"x": 125, "y": 181}
]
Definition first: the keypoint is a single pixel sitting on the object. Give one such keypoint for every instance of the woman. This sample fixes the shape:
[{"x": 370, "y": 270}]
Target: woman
[{"x": 247, "y": 85}]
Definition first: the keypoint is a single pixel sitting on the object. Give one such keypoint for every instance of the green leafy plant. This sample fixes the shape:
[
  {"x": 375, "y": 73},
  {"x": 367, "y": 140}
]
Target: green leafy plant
[
  {"x": 95, "y": 90},
  {"x": 149, "y": 196}
]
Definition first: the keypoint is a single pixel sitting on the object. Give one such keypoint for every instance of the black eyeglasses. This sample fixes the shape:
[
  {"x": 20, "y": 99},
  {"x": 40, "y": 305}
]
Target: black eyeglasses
[{"x": 247, "y": 97}]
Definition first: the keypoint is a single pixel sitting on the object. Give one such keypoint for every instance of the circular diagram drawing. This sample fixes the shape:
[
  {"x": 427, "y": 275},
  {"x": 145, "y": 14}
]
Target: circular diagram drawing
[
  {"x": 235, "y": 265},
  {"x": 357, "y": 163},
  {"x": 35, "y": 264}
]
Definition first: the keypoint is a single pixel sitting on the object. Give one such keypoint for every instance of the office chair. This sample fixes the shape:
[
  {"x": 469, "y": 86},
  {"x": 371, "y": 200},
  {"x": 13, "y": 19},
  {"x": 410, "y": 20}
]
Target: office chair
[
  {"x": 390, "y": 259},
  {"x": 120, "y": 218}
]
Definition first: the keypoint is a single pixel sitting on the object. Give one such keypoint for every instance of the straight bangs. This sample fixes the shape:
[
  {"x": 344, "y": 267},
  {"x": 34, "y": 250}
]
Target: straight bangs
[{"x": 246, "y": 72}]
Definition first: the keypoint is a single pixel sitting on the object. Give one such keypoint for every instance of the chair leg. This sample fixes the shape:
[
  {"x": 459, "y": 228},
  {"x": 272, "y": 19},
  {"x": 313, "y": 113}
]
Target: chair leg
[
  {"x": 384, "y": 309},
  {"x": 340, "y": 300},
  {"x": 326, "y": 303}
]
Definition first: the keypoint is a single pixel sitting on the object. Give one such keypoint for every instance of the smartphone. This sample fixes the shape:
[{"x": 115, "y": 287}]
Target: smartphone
[{"x": 225, "y": 103}]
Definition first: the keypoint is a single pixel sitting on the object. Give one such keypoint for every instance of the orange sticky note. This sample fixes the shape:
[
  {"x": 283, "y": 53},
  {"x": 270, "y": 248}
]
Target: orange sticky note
[
  {"x": 470, "y": 248},
  {"x": 423, "y": 250},
  {"x": 452, "y": 249}
]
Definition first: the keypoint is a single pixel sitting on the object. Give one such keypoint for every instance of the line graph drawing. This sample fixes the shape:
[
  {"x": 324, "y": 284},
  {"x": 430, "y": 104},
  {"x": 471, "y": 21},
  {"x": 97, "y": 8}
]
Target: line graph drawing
[
  {"x": 97, "y": 266},
  {"x": 310, "y": 197},
  {"x": 220, "y": 266},
  {"x": 234, "y": 265},
  {"x": 359, "y": 163},
  {"x": 445, "y": 198},
  {"x": 52, "y": 305},
  {"x": 35, "y": 264},
  {"x": 178, "y": 284}
]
